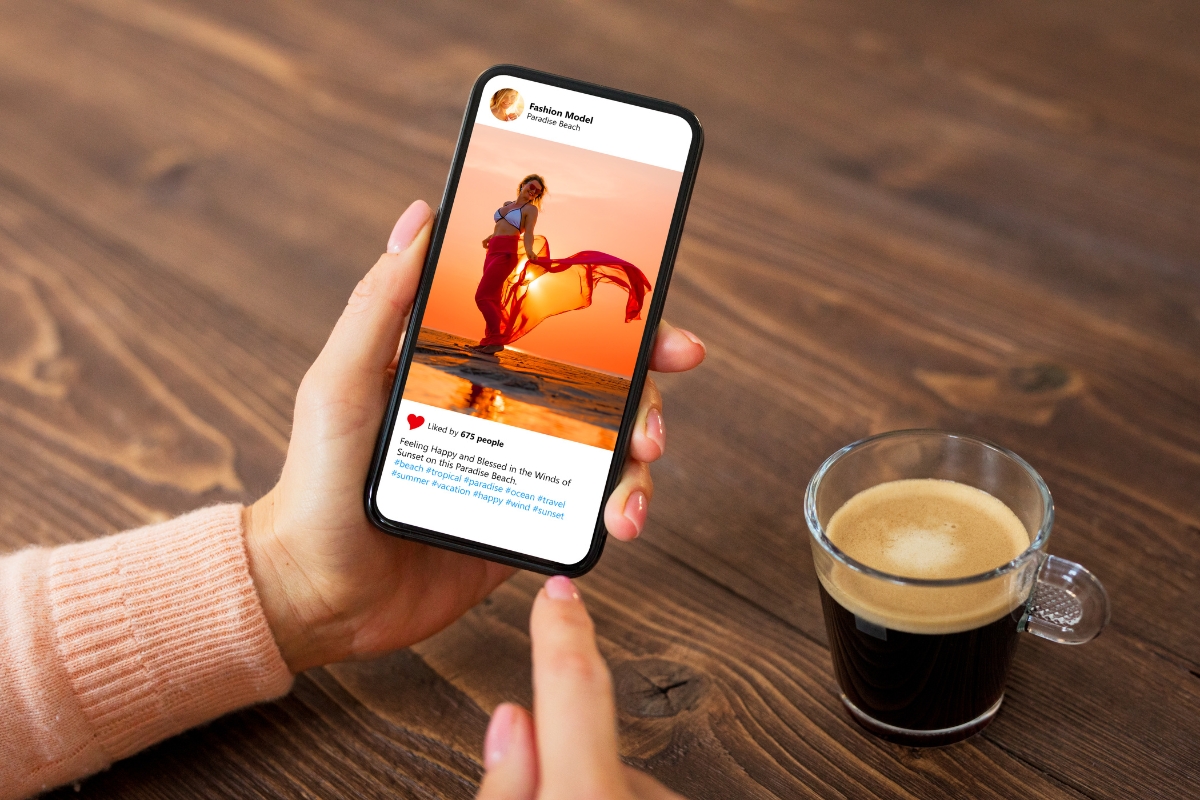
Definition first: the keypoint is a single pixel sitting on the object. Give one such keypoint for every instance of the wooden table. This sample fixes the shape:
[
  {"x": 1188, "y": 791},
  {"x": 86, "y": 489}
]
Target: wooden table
[{"x": 983, "y": 219}]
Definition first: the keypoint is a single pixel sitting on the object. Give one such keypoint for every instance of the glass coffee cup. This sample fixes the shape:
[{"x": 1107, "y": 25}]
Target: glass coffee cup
[{"x": 924, "y": 661}]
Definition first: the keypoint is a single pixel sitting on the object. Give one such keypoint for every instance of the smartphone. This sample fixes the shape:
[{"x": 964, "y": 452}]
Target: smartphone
[{"x": 524, "y": 359}]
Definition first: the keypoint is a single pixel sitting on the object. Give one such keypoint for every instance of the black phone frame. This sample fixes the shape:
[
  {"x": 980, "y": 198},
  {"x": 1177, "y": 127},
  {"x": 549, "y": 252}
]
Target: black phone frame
[{"x": 638, "y": 379}]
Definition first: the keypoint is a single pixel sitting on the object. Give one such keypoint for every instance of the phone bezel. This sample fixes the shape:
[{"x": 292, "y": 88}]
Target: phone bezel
[{"x": 638, "y": 379}]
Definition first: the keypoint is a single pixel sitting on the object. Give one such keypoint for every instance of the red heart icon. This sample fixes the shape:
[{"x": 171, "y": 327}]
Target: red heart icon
[{"x": 415, "y": 422}]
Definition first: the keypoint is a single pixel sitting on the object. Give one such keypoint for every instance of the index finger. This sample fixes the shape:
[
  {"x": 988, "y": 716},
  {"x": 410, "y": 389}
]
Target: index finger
[
  {"x": 573, "y": 707},
  {"x": 675, "y": 350}
]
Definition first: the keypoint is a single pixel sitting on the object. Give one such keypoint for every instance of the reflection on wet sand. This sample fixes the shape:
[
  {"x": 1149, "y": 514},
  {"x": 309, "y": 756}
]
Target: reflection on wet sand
[
  {"x": 486, "y": 402},
  {"x": 437, "y": 388}
]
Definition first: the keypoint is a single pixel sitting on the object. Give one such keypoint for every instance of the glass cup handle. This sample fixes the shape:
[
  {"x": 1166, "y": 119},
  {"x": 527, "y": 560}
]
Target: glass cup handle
[{"x": 1067, "y": 605}]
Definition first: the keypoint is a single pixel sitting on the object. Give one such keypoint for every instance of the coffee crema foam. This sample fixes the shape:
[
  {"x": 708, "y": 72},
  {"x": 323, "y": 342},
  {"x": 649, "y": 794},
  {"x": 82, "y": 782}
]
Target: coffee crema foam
[{"x": 931, "y": 529}]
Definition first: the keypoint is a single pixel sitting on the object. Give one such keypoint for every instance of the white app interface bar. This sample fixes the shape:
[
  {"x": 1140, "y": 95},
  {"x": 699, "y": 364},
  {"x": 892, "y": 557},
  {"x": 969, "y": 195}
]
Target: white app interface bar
[{"x": 592, "y": 123}]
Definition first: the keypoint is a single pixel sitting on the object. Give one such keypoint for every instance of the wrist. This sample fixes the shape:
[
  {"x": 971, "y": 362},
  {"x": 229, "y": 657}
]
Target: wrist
[{"x": 283, "y": 592}]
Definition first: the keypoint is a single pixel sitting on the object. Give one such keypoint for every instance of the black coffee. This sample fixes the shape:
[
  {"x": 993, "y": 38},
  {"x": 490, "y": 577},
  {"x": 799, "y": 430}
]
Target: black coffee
[
  {"x": 913, "y": 657},
  {"x": 915, "y": 680}
]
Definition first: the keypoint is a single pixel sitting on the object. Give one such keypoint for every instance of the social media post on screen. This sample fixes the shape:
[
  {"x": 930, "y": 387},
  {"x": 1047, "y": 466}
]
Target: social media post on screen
[{"x": 537, "y": 309}]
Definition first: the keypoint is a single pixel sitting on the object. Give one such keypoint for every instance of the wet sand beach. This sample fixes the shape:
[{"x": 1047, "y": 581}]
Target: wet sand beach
[{"x": 517, "y": 389}]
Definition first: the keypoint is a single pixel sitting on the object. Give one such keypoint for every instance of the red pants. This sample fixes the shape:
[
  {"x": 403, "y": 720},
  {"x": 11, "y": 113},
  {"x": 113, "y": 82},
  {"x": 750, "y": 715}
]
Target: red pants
[{"x": 500, "y": 262}]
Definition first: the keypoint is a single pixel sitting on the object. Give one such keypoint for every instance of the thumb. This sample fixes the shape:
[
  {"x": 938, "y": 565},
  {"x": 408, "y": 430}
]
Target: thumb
[
  {"x": 364, "y": 341},
  {"x": 510, "y": 756}
]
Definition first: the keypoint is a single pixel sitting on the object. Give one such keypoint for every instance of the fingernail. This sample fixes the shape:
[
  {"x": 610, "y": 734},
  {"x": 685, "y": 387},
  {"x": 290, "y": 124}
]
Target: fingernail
[
  {"x": 411, "y": 221},
  {"x": 656, "y": 430},
  {"x": 560, "y": 588},
  {"x": 499, "y": 735},
  {"x": 635, "y": 510},
  {"x": 693, "y": 338}
]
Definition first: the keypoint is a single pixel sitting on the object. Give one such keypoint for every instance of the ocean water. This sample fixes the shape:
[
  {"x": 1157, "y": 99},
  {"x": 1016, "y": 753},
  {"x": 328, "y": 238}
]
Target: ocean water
[{"x": 518, "y": 389}]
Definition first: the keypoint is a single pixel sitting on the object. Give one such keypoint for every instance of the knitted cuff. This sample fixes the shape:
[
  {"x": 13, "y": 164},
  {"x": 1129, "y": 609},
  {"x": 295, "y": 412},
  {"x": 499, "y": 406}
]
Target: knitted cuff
[{"x": 160, "y": 628}]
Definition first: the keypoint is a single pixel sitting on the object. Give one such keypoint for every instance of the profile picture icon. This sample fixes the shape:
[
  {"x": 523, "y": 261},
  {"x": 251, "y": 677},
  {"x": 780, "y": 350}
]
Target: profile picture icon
[{"x": 507, "y": 105}]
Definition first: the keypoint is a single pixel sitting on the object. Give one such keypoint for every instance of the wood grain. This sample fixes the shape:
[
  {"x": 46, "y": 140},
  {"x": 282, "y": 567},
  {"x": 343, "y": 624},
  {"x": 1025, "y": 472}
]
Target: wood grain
[{"x": 979, "y": 217}]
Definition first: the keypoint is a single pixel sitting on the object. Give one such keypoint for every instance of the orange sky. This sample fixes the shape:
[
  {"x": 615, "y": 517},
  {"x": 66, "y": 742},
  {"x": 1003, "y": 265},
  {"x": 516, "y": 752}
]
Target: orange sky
[{"x": 595, "y": 202}]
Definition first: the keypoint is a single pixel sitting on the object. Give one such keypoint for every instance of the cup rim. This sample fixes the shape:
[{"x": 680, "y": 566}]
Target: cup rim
[{"x": 817, "y": 530}]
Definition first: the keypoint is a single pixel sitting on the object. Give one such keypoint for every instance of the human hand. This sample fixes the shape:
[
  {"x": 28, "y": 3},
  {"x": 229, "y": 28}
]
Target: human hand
[
  {"x": 334, "y": 587},
  {"x": 568, "y": 746}
]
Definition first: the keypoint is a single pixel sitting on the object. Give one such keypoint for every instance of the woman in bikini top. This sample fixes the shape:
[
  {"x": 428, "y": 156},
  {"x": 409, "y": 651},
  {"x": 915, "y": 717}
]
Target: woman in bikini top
[
  {"x": 515, "y": 297},
  {"x": 512, "y": 219}
]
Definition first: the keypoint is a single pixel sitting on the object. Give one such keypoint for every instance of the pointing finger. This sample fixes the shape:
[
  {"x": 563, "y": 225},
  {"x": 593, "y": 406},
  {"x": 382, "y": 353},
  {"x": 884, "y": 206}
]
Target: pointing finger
[{"x": 573, "y": 698}]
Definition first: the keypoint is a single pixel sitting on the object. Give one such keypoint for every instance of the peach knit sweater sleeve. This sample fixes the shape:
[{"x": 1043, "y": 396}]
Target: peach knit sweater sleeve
[{"x": 111, "y": 645}]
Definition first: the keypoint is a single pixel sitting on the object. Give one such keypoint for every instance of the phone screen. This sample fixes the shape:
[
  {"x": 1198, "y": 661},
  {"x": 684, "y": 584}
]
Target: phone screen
[{"x": 555, "y": 234}]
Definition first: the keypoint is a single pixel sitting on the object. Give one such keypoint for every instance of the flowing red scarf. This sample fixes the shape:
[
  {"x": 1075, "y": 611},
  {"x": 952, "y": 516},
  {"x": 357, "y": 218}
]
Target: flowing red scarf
[{"x": 516, "y": 294}]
